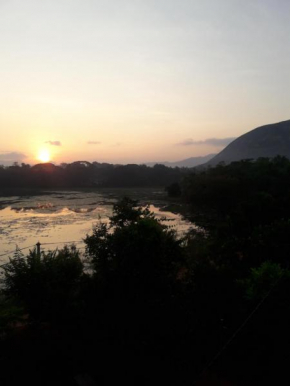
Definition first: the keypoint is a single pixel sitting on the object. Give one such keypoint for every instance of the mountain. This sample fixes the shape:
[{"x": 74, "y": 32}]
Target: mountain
[
  {"x": 265, "y": 141},
  {"x": 186, "y": 163}
]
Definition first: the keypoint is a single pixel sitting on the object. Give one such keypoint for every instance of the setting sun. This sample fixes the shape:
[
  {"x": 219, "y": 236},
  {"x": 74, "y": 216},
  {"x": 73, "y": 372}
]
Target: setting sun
[{"x": 44, "y": 156}]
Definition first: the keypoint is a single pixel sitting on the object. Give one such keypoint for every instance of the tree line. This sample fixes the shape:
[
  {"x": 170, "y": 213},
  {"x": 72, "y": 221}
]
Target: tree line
[{"x": 86, "y": 174}]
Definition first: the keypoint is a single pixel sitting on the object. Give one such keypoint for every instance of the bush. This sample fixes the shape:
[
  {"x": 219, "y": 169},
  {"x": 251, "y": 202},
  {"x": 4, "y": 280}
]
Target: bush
[
  {"x": 262, "y": 279},
  {"x": 45, "y": 284},
  {"x": 134, "y": 245}
]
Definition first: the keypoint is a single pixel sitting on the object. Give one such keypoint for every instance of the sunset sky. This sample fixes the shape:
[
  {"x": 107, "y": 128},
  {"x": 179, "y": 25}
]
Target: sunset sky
[{"x": 138, "y": 80}]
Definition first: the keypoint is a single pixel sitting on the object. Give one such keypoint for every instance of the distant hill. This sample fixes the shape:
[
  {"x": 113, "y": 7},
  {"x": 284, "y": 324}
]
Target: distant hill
[
  {"x": 265, "y": 141},
  {"x": 186, "y": 163}
]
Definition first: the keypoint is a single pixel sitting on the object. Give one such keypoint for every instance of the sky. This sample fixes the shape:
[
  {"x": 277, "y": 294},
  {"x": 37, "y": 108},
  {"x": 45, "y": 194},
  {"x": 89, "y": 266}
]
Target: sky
[{"x": 133, "y": 81}]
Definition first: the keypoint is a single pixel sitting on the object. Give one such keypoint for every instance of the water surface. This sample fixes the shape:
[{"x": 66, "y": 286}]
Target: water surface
[{"x": 56, "y": 218}]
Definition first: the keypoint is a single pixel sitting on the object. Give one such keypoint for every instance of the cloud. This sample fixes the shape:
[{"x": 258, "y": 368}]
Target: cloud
[
  {"x": 8, "y": 158},
  {"x": 217, "y": 142},
  {"x": 94, "y": 143},
  {"x": 54, "y": 143}
]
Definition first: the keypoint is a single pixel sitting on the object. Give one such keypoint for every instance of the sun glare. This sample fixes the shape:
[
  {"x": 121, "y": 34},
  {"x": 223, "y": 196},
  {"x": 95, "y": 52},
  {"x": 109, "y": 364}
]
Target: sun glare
[{"x": 44, "y": 156}]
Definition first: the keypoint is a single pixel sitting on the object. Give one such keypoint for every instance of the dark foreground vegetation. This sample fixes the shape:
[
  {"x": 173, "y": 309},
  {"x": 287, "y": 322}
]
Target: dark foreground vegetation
[{"x": 146, "y": 307}]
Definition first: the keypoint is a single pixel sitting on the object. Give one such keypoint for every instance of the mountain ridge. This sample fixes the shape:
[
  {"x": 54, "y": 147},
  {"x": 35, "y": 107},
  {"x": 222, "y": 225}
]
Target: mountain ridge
[
  {"x": 264, "y": 141},
  {"x": 186, "y": 163}
]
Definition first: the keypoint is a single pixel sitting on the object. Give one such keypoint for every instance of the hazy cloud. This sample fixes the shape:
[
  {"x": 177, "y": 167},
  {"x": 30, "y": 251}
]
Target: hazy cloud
[
  {"x": 8, "y": 158},
  {"x": 116, "y": 144},
  {"x": 94, "y": 143},
  {"x": 54, "y": 143},
  {"x": 218, "y": 142}
]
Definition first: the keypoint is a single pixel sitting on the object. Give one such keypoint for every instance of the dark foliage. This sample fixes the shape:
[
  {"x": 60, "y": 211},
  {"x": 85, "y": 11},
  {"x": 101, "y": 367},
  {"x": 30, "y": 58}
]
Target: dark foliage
[
  {"x": 174, "y": 190},
  {"x": 245, "y": 206},
  {"x": 86, "y": 174},
  {"x": 45, "y": 284},
  {"x": 153, "y": 306}
]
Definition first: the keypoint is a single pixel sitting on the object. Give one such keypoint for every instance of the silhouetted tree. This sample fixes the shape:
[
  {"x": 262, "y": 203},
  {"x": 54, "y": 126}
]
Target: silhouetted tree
[{"x": 44, "y": 284}]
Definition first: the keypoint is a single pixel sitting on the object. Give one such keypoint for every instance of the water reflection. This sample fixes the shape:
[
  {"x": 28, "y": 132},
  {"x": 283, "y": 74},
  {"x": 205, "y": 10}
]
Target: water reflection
[{"x": 66, "y": 216}]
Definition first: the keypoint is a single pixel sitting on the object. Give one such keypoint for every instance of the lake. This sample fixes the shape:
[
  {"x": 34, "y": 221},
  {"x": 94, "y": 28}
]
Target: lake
[{"x": 55, "y": 218}]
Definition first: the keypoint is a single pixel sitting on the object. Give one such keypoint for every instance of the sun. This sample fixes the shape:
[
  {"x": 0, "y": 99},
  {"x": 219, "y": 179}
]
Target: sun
[{"x": 44, "y": 156}]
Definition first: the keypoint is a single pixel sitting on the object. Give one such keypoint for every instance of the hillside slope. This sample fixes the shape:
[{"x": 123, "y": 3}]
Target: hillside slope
[
  {"x": 186, "y": 163},
  {"x": 265, "y": 141}
]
